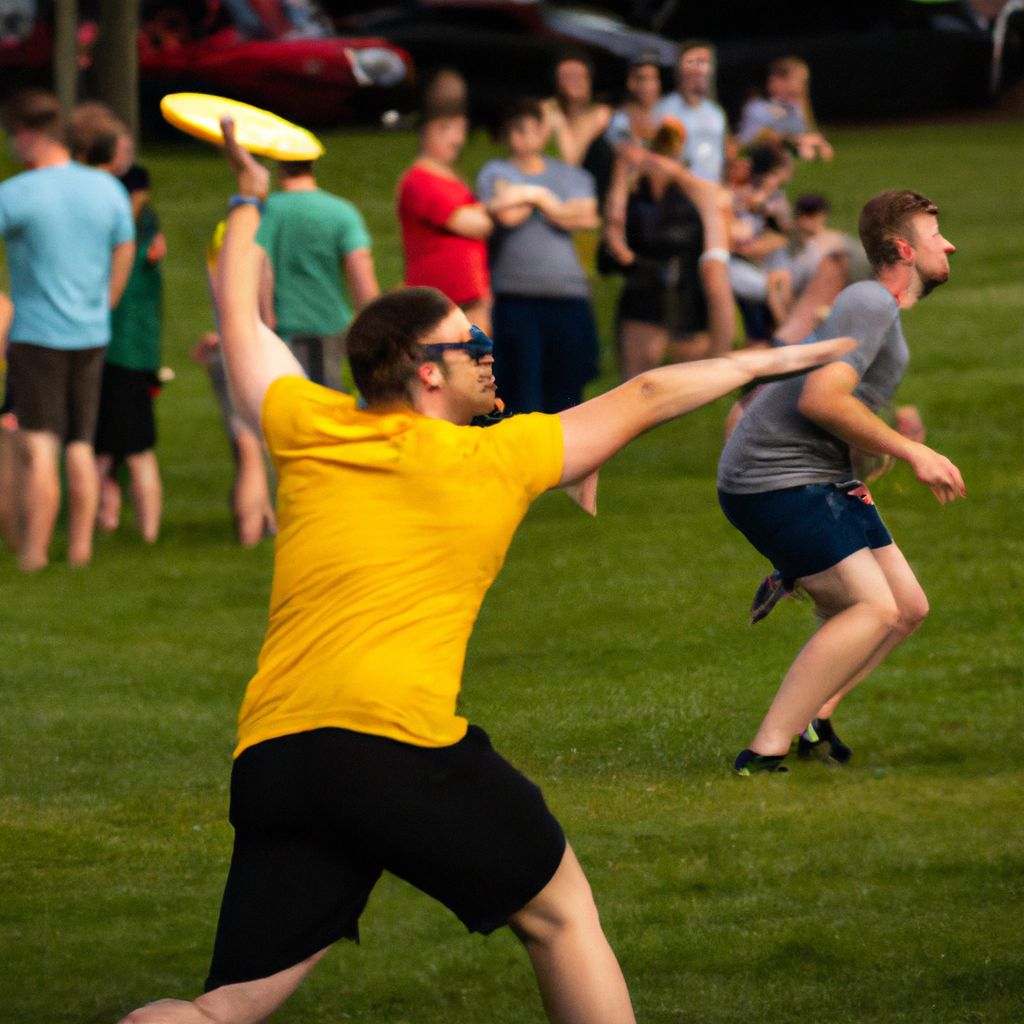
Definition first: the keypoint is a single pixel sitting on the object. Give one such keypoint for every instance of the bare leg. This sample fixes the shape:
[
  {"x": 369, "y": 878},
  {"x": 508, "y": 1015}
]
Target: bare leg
[
  {"x": 247, "y": 1003},
  {"x": 689, "y": 350},
  {"x": 714, "y": 274},
  {"x": 913, "y": 607},
  {"x": 862, "y": 614},
  {"x": 254, "y": 516},
  {"x": 9, "y": 526},
  {"x": 83, "y": 500},
  {"x": 147, "y": 493},
  {"x": 40, "y": 496},
  {"x": 579, "y": 978},
  {"x": 642, "y": 347},
  {"x": 109, "y": 515}
]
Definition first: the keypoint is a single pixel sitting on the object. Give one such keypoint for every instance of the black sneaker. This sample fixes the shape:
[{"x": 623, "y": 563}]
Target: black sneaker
[
  {"x": 770, "y": 592},
  {"x": 748, "y": 763},
  {"x": 819, "y": 741}
]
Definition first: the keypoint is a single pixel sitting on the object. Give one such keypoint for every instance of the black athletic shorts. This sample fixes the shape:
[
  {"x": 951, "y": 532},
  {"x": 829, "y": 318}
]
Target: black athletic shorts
[
  {"x": 319, "y": 815},
  {"x": 55, "y": 390},
  {"x": 126, "y": 425},
  {"x": 806, "y": 530}
]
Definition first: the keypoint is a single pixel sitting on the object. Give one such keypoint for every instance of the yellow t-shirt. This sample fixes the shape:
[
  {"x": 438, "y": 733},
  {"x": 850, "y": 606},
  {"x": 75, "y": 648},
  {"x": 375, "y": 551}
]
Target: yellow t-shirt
[{"x": 391, "y": 527}]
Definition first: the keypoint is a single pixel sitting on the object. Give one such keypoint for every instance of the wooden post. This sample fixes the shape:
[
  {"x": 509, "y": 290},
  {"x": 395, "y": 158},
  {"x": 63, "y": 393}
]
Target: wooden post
[
  {"x": 65, "y": 53},
  {"x": 116, "y": 61}
]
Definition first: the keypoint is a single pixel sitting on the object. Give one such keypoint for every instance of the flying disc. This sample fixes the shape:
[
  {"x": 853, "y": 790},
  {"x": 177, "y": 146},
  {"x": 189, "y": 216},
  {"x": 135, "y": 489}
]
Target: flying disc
[{"x": 257, "y": 130}]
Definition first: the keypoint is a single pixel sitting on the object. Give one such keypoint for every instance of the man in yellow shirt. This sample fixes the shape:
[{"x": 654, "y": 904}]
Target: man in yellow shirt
[{"x": 392, "y": 522}]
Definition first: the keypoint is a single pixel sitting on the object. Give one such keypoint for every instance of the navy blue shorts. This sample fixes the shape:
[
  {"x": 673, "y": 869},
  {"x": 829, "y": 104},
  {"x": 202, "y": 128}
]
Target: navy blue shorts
[
  {"x": 806, "y": 530},
  {"x": 319, "y": 815}
]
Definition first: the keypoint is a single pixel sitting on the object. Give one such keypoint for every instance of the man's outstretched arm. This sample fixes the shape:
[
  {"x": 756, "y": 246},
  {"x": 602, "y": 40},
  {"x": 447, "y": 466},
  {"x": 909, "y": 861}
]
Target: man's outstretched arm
[
  {"x": 596, "y": 430},
  {"x": 254, "y": 355}
]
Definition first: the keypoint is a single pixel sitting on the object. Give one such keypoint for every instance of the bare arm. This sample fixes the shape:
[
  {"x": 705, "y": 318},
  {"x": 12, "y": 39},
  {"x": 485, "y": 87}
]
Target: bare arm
[
  {"x": 596, "y": 430},
  {"x": 121, "y": 259},
  {"x": 615, "y": 208},
  {"x": 568, "y": 214},
  {"x": 254, "y": 355},
  {"x": 828, "y": 401},
  {"x": 361, "y": 276},
  {"x": 470, "y": 221},
  {"x": 265, "y": 301}
]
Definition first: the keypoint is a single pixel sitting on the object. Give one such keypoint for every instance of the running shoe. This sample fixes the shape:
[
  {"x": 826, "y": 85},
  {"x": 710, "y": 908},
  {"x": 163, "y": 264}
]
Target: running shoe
[
  {"x": 748, "y": 763},
  {"x": 820, "y": 741},
  {"x": 770, "y": 592}
]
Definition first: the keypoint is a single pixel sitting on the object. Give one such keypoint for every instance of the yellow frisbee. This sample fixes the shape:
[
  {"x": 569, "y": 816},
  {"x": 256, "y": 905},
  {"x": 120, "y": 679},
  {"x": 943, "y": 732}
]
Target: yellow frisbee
[{"x": 257, "y": 130}]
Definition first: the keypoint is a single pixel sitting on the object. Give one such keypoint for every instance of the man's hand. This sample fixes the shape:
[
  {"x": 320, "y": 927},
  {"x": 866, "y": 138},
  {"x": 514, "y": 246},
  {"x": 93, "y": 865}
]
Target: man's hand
[
  {"x": 253, "y": 178},
  {"x": 938, "y": 473}
]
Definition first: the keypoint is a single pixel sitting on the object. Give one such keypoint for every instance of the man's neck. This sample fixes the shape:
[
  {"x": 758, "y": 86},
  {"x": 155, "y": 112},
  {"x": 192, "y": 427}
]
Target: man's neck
[
  {"x": 300, "y": 183},
  {"x": 693, "y": 99},
  {"x": 902, "y": 283},
  {"x": 47, "y": 153}
]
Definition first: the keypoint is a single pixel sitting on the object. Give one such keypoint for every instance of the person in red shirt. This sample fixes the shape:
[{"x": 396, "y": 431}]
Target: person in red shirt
[{"x": 444, "y": 227}]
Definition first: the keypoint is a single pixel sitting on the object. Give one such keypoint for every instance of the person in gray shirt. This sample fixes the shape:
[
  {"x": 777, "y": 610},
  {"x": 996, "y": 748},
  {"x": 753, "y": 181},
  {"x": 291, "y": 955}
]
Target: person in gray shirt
[
  {"x": 545, "y": 335},
  {"x": 785, "y": 480}
]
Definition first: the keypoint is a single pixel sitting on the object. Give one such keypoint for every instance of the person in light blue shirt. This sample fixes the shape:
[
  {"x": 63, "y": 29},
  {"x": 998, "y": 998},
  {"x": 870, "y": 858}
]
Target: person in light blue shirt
[
  {"x": 691, "y": 105},
  {"x": 70, "y": 244}
]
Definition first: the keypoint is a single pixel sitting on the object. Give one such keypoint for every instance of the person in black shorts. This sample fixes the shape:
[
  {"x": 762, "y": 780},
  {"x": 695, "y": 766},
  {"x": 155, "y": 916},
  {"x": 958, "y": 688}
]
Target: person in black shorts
[{"x": 351, "y": 759}]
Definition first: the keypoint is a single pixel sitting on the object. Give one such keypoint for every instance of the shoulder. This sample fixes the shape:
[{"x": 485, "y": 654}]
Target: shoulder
[{"x": 869, "y": 297}]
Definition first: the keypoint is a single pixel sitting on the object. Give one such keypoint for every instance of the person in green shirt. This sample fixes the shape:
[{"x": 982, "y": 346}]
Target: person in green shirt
[{"x": 320, "y": 254}]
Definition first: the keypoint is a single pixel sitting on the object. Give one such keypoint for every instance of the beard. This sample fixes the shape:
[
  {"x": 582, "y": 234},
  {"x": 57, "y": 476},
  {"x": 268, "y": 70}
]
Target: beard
[{"x": 929, "y": 284}]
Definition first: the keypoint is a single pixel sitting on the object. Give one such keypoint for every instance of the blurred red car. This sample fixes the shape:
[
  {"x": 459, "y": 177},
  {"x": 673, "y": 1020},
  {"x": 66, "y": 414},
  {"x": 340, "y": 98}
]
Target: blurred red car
[{"x": 278, "y": 54}]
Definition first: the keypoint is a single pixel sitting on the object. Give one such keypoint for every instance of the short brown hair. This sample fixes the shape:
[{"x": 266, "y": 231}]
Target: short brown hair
[
  {"x": 384, "y": 341},
  {"x": 35, "y": 110},
  {"x": 886, "y": 218},
  {"x": 93, "y": 133}
]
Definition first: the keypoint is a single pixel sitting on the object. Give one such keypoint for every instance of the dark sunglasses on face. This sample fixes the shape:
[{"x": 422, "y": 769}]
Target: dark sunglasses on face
[{"x": 478, "y": 346}]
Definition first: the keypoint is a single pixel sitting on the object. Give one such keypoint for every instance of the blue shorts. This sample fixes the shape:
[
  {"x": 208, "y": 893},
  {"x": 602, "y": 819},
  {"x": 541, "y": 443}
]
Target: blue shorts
[{"x": 806, "y": 530}]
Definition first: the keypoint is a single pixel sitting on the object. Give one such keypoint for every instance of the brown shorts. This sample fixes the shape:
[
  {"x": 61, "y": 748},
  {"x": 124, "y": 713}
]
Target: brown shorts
[{"x": 55, "y": 390}]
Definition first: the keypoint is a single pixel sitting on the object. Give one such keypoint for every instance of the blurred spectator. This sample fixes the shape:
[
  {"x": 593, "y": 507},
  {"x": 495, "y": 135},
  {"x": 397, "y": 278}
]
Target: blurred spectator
[
  {"x": 634, "y": 121},
  {"x": 691, "y": 105},
  {"x": 784, "y": 116},
  {"x": 667, "y": 230},
  {"x": 578, "y": 122},
  {"x": 251, "y": 505},
  {"x": 759, "y": 270},
  {"x": 126, "y": 426},
  {"x": 70, "y": 246},
  {"x": 319, "y": 251},
  {"x": 444, "y": 227},
  {"x": 545, "y": 337}
]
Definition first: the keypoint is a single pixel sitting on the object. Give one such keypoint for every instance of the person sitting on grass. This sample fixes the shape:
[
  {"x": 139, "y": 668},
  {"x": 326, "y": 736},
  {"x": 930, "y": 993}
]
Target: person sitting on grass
[{"x": 393, "y": 521}]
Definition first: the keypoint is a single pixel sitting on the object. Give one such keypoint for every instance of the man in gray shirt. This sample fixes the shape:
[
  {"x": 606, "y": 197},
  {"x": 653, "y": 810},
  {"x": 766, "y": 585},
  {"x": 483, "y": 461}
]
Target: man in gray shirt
[{"x": 785, "y": 481}]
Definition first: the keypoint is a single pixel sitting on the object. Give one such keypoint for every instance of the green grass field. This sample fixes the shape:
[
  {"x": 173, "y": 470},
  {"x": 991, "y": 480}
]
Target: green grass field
[{"x": 612, "y": 662}]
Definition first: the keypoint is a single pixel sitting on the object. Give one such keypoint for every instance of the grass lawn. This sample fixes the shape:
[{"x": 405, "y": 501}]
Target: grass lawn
[{"x": 612, "y": 662}]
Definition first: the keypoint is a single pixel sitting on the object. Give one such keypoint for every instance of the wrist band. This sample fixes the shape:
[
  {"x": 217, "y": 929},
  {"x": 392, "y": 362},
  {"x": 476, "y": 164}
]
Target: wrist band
[{"x": 235, "y": 201}]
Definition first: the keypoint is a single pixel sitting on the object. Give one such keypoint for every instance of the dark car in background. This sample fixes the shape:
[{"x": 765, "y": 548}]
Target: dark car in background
[{"x": 873, "y": 59}]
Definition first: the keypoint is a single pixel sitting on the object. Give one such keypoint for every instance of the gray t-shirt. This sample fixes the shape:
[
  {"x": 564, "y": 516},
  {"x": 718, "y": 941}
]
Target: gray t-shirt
[
  {"x": 536, "y": 258},
  {"x": 775, "y": 446}
]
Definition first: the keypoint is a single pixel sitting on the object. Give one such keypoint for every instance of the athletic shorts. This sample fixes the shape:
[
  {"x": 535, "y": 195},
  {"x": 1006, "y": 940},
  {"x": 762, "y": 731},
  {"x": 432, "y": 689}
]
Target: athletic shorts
[
  {"x": 126, "y": 425},
  {"x": 806, "y": 530},
  {"x": 319, "y": 815},
  {"x": 667, "y": 294},
  {"x": 56, "y": 390}
]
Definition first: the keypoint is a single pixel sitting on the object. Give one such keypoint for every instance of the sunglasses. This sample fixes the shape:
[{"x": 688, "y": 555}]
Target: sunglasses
[{"x": 478, "y": 346}]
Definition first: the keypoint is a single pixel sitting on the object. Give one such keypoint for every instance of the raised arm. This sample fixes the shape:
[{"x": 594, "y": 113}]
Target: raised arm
[
  {"x": 828, "y": 400},
  {"x": 254, "y": 355},
  {"x": 596, "y": 430}
]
